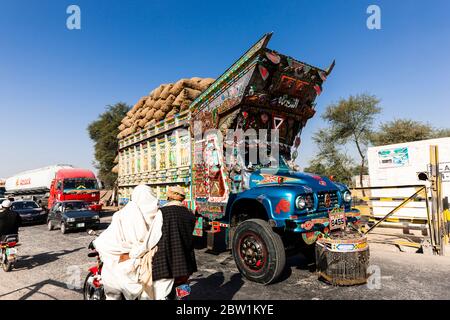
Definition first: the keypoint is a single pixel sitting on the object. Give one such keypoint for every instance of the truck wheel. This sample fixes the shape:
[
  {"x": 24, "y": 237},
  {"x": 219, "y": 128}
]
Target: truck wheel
[
  {"x": 258, "y": 251},
  {"x": 63, "y": 228}
]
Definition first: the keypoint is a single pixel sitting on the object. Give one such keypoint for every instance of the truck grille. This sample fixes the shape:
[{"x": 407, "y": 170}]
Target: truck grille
[{"x": 327, "y": 200}]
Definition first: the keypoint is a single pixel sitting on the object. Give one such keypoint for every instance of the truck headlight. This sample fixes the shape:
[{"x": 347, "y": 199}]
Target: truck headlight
[
  {"x": 347, "y": 196},
  {"x": 300, "y": 202},
  {"x": 70, "y": 219}
]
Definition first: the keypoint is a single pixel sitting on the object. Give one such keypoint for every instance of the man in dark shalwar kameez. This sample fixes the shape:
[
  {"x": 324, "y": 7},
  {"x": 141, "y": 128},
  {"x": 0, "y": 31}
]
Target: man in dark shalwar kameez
[{"x": 175, "y": 257}]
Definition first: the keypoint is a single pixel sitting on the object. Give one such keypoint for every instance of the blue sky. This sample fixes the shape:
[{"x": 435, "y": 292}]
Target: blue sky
[{"x": 55, "y": 81}]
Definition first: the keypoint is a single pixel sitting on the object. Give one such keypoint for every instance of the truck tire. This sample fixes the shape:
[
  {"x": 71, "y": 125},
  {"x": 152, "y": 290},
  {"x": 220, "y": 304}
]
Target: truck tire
[{"x": 258, "y": 251}]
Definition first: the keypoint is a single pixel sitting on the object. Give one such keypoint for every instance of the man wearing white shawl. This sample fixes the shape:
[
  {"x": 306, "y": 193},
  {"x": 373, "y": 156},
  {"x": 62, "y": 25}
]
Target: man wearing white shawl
[{"x": 127, "y": 246}]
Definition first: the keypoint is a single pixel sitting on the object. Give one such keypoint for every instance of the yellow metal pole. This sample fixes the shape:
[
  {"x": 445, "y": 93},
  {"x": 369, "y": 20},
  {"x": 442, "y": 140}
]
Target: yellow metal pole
[
  {"x": 446, "y": 214},
  {"x": 430, "y": 222},
  {"x": 437, "y": 213}
]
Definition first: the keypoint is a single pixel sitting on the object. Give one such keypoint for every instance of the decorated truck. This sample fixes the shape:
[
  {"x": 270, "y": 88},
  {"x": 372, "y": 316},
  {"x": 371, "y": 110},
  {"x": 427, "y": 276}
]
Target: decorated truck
[{"x": 260, "y": 208}]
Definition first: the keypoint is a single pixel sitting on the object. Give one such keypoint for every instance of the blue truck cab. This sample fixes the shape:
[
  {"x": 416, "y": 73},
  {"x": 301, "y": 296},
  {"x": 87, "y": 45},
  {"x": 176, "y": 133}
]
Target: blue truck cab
[{"x": 296, "y": 201}]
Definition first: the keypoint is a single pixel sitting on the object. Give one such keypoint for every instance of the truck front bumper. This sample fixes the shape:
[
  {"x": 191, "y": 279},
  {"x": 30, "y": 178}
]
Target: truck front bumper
[{"x": 315, "y": 222}]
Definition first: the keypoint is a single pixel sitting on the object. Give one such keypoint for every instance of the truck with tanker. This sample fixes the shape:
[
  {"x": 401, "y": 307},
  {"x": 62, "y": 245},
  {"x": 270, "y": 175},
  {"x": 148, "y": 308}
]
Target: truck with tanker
[
  {"x": 55, "y": 183},
  {"x": 2, "y": 189},
  {"x": 259, "y": 211}
]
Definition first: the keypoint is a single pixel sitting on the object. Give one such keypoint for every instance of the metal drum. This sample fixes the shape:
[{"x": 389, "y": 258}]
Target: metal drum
[{"x": 342, "y": 258}]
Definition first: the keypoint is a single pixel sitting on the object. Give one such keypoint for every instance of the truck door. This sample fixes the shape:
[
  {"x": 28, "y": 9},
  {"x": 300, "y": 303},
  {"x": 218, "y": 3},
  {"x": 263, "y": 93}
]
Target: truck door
[
  {"x": 51, "y": 197},
  {"x": 210, "y": 178},
  {"x": 214, "y": 163}
]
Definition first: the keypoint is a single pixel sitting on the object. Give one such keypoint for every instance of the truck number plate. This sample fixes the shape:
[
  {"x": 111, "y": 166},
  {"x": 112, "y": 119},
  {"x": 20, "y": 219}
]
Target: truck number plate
[
  {"x": 337, "y": 220},
  {"x": 80, "y": 225}
]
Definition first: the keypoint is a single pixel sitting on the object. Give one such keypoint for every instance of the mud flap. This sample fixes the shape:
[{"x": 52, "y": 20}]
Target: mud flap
[{"x": 216, "y": 240}]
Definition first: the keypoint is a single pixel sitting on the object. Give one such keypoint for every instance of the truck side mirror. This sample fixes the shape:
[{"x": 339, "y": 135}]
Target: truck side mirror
[{"x": 423, "y": 176}]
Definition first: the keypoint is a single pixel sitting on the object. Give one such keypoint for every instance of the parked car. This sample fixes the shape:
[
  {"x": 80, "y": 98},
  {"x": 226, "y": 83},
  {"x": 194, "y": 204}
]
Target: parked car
[
  {"x": 29, "y": 211},
  {"x": 72, "y": 215}
]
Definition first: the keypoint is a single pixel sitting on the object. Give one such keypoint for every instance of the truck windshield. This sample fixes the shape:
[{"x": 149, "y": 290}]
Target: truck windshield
[
  {"x": 282, "y": 164},
  {"x": 80, "y": 184},
  {"x": 23, "y": 205}
]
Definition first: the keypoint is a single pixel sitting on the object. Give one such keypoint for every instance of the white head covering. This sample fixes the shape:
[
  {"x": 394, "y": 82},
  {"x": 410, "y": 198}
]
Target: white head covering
[
  {"x": 143, "y": 198},
  {"x": 6, "y": 204}
]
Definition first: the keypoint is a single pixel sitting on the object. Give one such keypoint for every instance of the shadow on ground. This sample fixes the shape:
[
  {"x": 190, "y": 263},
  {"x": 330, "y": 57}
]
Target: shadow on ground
[
  {"x": 37, "y": 289},
  {"x": 216, "y": 288},
  {"x": 31, "y": 261}
]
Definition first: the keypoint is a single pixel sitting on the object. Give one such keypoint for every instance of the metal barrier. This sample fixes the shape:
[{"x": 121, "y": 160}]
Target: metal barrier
[
  {"x": 420, "y": 195},
  {"x": 438, "y": 216}
]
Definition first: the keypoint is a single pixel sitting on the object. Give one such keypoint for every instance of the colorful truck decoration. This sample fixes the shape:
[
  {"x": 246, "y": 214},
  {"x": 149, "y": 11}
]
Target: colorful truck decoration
[{"x": 259, "y": 209}]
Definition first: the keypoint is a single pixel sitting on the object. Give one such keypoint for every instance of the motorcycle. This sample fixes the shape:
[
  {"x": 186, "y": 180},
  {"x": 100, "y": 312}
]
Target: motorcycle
[
  {"x": 93, "y": 286},
  {"x": 8, "y": 252}
]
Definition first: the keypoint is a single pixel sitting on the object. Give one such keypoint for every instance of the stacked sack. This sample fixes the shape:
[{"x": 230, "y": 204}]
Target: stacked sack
[
  {"x": 115, "y": 169},
  {"x": 165, "y": 101}
]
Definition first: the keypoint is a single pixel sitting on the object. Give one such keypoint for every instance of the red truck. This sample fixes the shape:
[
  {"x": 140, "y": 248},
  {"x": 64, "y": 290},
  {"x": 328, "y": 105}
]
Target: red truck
[{"x": 55, "y": 183}]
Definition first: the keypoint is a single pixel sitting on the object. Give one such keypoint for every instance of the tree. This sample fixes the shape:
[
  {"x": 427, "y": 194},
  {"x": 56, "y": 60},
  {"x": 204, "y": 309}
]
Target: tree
[
  {"x": 329, "y": 161},
  {"x": 103, "y": 132},
  {"x": 406, "y": 130},
  {"x": 441, "y": 133},
  {"x": 401, "y": 130},
  {"x": 351, "y": 120}
]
